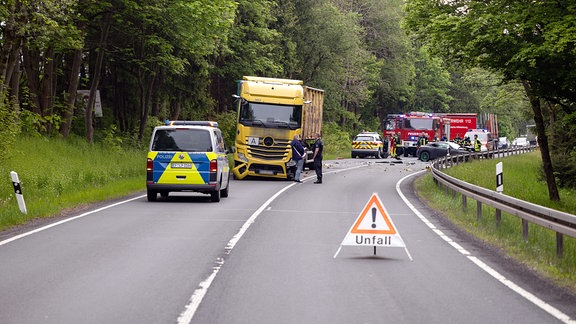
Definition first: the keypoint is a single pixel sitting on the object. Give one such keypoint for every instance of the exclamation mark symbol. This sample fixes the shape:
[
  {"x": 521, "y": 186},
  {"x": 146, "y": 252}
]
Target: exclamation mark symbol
[{"x": 373, "y": 217}]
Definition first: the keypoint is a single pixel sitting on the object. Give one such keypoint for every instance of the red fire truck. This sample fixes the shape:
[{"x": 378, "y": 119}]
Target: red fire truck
[
  {"x": 437, "y": 126},
  {"x": 409, "y": 127},
  {"x": 457, "y": 124}
]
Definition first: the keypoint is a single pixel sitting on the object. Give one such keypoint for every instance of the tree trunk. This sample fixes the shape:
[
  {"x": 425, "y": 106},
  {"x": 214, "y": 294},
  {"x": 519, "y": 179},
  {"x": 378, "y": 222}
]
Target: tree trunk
[
  {"x": 31, "y": 64},
  {"x": 542, "y": 142},
  {"x": 96, "y": 77},
  {"x": 9, "y": 40},
  {"x": 145, "y": 98},
  {"x": 46, "y": 91},
  {"x": 72, "y": 89}
]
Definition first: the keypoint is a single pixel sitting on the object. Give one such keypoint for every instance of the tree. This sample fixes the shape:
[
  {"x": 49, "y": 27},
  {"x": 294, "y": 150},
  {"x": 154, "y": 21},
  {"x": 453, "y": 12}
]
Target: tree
[{"x": 529, "y": 41}]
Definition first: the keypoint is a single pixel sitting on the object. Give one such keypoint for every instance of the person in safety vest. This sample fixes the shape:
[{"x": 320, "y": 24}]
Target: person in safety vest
[
  {"x": 422, "y": 140},
  {"x": 394, "y": 144},
  {"x": 477, "y": 144}
]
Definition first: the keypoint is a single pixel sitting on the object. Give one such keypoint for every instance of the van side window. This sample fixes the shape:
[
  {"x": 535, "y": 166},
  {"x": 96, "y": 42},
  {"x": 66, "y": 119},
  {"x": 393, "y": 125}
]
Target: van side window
[{"x": 221, "y": 148}]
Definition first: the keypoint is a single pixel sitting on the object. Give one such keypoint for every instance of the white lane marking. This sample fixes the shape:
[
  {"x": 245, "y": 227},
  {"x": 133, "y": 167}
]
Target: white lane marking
[
  {"x": 17, "y": 237},
  {"x": 517, "y": 289},
  {"x": 194, "y": 302}
]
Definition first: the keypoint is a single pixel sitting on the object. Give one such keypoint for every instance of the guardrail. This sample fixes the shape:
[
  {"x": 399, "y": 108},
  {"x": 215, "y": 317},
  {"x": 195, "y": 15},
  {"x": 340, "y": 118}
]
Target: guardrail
[{"x": 560, "y": 222}]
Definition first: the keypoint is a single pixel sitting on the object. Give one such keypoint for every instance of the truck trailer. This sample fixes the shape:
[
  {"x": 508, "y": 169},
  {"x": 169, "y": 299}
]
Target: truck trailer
[{"x": 270, "y": 113}]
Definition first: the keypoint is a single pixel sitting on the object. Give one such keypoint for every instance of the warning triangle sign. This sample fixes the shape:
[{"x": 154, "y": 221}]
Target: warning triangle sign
[
  {"x": 373, "y": 219},
  {"x": 374, "y": 227}
]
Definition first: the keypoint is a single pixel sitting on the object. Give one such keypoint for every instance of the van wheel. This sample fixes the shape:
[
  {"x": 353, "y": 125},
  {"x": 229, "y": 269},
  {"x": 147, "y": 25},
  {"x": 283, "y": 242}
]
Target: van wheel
[
  {"x": 152, "y": 195},
  {"x": 224, "y": 192},
  {"x": 215, "y": 196}
]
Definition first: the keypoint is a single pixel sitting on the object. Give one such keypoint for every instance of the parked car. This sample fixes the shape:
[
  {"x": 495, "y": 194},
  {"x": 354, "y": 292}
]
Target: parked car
[
  {"x": 503, "y": 143},
  {"x": 435, "y": 150},
  {"x": 369, "y": 144},
  {"x": 520, "y": 142}
]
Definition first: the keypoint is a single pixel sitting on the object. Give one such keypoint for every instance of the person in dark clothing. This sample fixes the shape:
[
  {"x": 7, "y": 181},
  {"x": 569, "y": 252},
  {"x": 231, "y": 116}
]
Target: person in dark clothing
[
  {"x": 318, "y": 148},
  {"x": 297, "y": 156}
]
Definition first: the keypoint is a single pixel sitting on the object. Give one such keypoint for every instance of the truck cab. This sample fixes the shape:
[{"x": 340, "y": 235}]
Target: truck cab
[{"x": 270, "y": 113}]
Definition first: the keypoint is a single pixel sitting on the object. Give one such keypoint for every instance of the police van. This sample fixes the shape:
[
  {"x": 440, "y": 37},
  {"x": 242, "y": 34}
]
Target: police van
[{"x": 187, "y": 156}]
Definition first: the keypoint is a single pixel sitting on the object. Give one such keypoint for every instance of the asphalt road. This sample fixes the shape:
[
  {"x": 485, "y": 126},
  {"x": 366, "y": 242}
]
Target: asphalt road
[{"x": 269, "y": 253}]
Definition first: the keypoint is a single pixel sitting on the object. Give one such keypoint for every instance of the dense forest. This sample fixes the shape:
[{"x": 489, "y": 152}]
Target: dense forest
[{"x": 109, "y": 70}]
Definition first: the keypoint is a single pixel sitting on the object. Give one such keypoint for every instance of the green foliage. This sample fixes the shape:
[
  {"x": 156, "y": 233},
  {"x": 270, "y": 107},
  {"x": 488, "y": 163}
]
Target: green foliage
[
  {"x": 36, "y": 125},
  {"x": 564, "y": 152},
  {"x": 336, "y": 141},
  {"x": 71, "y": 173},
  {"x": 522, "y": 40},
  {"x": 9, "y": 128},
  {"x": 227, "y": 124},
  {"x": 432, "y": 84}
]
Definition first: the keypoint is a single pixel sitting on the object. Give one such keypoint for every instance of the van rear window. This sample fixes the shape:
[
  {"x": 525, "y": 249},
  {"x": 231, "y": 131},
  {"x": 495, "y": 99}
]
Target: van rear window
[{"x": 187, "y": 140}]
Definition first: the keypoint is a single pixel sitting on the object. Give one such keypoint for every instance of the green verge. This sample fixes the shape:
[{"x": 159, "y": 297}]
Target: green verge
[
  {"x": 57, "y": 174},
  {"x": 521, "y": 180}
]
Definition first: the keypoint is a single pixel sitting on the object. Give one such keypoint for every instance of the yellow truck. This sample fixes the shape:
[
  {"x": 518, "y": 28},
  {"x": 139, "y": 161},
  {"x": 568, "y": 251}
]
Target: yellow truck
[{"x": 270, "y": 113}]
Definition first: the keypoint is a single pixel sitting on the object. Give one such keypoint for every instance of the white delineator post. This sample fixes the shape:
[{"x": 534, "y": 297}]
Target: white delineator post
[
  {"x": 499, "y": 178},
  {"x": 18, "y": 192}
]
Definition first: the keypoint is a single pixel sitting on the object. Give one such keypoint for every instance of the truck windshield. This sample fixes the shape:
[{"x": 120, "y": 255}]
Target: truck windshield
[
  {"x": 418, "y": 123},
  {"x": 270, "y": 116},
  {"x": 390, "y": 124}
]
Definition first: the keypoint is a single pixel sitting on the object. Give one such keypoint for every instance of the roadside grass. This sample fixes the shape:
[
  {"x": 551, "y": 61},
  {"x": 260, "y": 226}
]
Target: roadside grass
[
  {"x": 57, "y": 174},
  {"x": 521, "y": 180}
]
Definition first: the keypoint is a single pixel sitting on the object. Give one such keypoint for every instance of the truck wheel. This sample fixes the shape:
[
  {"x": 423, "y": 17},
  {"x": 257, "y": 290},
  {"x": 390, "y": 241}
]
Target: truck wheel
[{"x": 151, "y": 195}]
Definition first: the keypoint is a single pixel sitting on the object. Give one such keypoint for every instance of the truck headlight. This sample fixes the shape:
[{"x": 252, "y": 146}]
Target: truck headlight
[{"x": 242, "y": 157}]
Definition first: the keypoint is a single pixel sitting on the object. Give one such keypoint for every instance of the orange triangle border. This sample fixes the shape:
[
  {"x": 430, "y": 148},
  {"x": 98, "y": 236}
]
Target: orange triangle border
[{"x": 374, "y": 200}]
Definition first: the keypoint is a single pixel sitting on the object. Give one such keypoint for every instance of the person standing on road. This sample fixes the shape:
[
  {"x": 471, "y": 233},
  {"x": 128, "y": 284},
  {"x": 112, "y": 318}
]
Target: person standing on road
[
  {"x": 477, "y": 144},
  {"x": 318, "y": 148},
  {"x": 297, "y": 156}
]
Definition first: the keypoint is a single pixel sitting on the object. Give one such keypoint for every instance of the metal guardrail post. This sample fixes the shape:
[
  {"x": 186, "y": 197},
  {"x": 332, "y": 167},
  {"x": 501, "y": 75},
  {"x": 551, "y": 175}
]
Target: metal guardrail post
[
  {"x": 525, "y": 230},
  {"x": 478, "y": 209},
  {"x": 559, "y": 244}
]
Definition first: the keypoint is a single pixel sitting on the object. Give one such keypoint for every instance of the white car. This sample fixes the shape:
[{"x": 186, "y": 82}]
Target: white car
[
  {"x": 520, "y": 142},
  {"x": 503, "y": 143}
]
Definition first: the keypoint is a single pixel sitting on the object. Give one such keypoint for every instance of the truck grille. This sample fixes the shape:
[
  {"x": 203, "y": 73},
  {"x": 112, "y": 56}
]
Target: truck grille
[{"x": 270, "y": 149}]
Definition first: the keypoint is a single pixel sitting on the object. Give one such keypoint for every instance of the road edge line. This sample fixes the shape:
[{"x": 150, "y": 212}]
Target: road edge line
[{"x": 556, "y": 313}]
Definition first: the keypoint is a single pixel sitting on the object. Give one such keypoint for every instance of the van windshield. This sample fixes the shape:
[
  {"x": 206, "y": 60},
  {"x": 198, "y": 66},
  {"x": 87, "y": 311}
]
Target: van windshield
[
  {"x": 187, "y": 140},
  {"x": 481, "y": 136}
]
